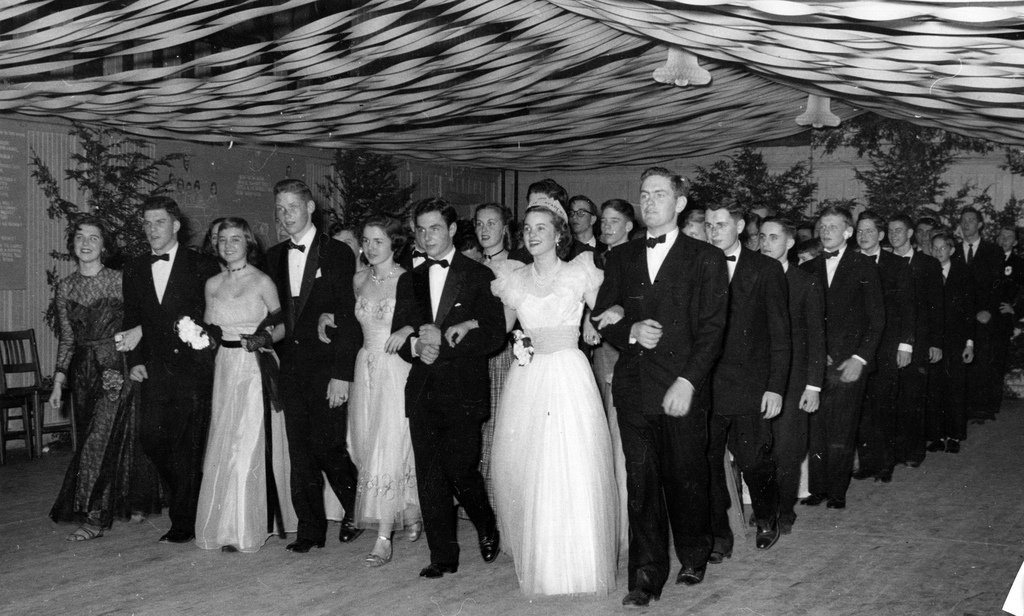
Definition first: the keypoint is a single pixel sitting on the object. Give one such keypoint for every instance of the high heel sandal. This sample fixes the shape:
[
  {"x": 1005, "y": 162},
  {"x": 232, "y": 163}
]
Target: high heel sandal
[
  {"x": 85, "y": 532},
  {"x": 381, "y": 554},
  {"x": 413, "y": 532}
]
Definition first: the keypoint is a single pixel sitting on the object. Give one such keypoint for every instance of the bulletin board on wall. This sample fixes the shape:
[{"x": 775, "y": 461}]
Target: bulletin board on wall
[
  {"x": 13, "y": 229},
  {"x": 212, "y": 182}
]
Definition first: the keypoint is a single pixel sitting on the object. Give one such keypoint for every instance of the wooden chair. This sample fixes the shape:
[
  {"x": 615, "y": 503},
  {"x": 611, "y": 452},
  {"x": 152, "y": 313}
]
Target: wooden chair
[{"x": 19, "y": 356}]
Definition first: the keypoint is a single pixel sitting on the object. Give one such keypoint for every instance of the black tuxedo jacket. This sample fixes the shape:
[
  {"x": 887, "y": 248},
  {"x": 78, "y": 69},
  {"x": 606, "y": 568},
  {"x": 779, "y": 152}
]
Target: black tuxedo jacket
[
  {"x": 807, "y": 323},
  {"x": 326, "y": 287},
  {"x": 926, "y": 276},
  {"x": 986, "y": 269},
  {"x": 1009, "y": 284},
  {"x": 161, "y": 350},
  {"x": 898, "y": 296},
  {"x": 457, "y": 381},
  {"x": 757, "y": 350},
  {"x": 854, "y": 308},
  {"x": 690, "y": 299},
  {"x": 958, "y": 309}
]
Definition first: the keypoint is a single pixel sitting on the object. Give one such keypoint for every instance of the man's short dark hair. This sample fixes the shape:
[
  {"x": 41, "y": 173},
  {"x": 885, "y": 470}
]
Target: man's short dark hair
[
  {"x": 680, "y": 185},
  {"x": 877, "y": 220},
  {"x": 435, "y": 204},
  {"x": 971, "y": 210},
  {"x": 584, "y": 199},
  {"x": 737, "y": 211},
  {"x": 927, "y": 220},
  {"x": 550, "y": 188},
  {"x": 945, "y": 236},
  {"x": 904, "y": 218},
  {"x": 787, "y": 226}
]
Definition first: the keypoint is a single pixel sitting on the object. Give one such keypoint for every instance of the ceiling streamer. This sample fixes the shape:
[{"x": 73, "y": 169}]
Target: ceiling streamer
[{"x": 519, "y": 84}]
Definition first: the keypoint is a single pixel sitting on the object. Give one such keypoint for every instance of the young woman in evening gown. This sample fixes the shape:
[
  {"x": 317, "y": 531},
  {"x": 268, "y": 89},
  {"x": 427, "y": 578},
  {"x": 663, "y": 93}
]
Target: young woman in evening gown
[
  {"x": 552, "y": 461},
  {"x": 386, "y": 497},
  {"x": 234, "y": 498},
  {"x": 109, "y": 476}
]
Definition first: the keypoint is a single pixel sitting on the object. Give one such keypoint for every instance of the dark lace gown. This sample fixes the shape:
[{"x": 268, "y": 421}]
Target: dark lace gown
[{"x": 108, "y": 475}]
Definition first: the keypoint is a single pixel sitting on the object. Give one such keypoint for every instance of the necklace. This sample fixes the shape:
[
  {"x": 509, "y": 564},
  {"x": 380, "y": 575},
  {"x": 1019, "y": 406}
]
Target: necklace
[
  {"x": 238, "y": 269},
  {"x": 545, "y": 280},
  {"x": 379, "y": 281},
  {"x": 489, "y": 257}
]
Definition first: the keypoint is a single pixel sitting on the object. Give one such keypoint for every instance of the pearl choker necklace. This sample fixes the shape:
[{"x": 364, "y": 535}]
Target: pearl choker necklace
[{"x": 238, "y": 269}]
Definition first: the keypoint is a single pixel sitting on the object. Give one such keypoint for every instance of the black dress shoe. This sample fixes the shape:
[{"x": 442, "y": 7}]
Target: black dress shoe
[
  {"x": 348, "y": 530},
  {"x": 436, "y": 570},
  {"x": 301, "y": 546},
  {"x": 490, "y": 546},
  {"x": 836, "y": 503},
  {"x": 914, "y": 463},
  {"x": 885, "y": 475},
  {"x": 936, "y": 446},
  {"x": 178, "y": 536},
  {"x": 952, "y": 446},
  {"x": 639, "y": 598},
  {"x": 767, "y": 536},
  {"x": 785, "y": 527},
  {"x": 814, "y": 500},
  {"x": 691, "y": 576},
  {"x": 717, "y": 558},
  {"x": 230, "y": 549},
  {"x": 862, "y": 474}
]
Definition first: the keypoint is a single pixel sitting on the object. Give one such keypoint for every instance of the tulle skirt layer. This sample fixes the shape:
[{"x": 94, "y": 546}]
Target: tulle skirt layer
[{"x": 553, "y": 478}]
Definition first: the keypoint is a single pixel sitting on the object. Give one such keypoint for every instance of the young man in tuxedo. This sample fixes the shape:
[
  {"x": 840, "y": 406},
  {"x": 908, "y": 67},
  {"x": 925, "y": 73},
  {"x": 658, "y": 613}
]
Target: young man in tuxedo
[
  {"x": 984, "y": 261},
  {"x": 674, "y": 291},
  {"x": 807, "y": 370},
  {"x": 877, "y": 433},
  {"x": 946, "y": 421},
  {"x": 748, "y": 381},
  {"x": 313, "y": 274},
  {"x": 447, "y": 394},
  {"x": 926, "y": 278},
  {"x": 177, "y": 380},
  {"x": 582, "y": 217},
  {"x": 854, "y": 320},
  {"x": 1009, "y": 282}
]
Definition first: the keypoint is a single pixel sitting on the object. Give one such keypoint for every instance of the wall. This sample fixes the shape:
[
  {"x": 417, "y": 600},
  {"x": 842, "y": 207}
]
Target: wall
[{"x": 216, "y": 181}]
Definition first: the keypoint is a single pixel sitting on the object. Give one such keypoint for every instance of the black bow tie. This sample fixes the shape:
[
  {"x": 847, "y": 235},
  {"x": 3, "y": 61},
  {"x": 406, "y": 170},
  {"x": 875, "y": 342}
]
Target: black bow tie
[
  {"x": 907, "y": 257},
  {"x": 731, "y": 258},
  {"x": 164, "y": 257},
  {"x": 293, "y": 246},
  {"x": 654, "y": 241},
  {"x": 831, "y": 255},
  {"x": 419, "y": 254},
  {"x": 431, "y": 262}
]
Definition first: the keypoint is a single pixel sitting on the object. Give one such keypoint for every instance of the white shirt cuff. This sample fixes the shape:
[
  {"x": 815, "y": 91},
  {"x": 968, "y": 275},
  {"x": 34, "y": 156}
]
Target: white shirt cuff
[
  {"x": 860, "y": 359},
  {"x": 970, "y": 344},
  {"x": 906, "y": 347},
  {"x": 812, "y": 388},
  {"x": 412, "y": 345}
]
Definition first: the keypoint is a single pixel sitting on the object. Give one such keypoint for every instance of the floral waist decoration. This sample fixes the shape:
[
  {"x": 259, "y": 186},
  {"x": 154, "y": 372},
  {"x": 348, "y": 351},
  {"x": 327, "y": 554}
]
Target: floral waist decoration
[
  {"x": 522, "y": 347},
  {"x": 113, "y": 381},
  {"x": 192, "y": 334}
]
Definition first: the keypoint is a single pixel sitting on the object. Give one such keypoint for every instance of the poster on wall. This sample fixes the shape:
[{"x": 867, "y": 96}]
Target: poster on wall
[
  {"x": 13, "y": 198},
  {"x": 211, "y": 182}
]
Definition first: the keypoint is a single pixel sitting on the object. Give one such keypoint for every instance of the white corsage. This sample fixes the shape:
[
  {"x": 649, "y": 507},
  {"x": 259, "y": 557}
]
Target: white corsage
[
  {"x": 522, "y": 347},
  {"x": 1008, "y": 271},
  {"x": 192, "y": 334}
]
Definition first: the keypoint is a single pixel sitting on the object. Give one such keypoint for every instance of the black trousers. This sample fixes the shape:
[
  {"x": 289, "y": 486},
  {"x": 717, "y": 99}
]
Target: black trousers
[
  {"x": 833, "y": 435},
  {"x": 173, "y": 422},
  {"x": 447, "y": 454},
  {"x": 947, "y": 410},
  {"x": 316, "y": 447},
  {"x": 667, "y": 485},
  {"x": 910, "y": 410},
  {"x": 749, "y": 438},
  {"x": 876, "y": 434},
  {"x": 1002, "y": 331},
  {"x": 789, "y": 433},
  {"x": 981, "y": 378}
]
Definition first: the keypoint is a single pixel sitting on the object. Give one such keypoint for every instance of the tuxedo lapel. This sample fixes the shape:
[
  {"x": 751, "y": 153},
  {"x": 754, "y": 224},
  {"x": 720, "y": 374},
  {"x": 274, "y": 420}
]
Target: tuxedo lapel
[
  {"x": 309, "y": 274},
  {"x": 452, "y": 287},
  {"x": 284, "y": 291},
  {"x": 421, "y": 292},
  {"x": 178, "y": 271}
]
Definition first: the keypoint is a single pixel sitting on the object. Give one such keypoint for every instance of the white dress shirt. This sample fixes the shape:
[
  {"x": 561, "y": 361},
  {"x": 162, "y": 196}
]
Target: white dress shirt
[
  {"x": 297, "y": 261},
  {"x": 438, "y": 276},
  {"x": 162, "y": 272},
  {"x": 732, "y": 264},
  {"x": 833, "y": 263},
  {"x": 967, "y": 246},
  {"x": 656, "y": 256}
]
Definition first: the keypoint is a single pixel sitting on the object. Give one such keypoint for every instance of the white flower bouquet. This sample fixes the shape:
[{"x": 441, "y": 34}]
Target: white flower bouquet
[
  {"x": 522, "y": 347},
  {"x": 192, "y": 334}
]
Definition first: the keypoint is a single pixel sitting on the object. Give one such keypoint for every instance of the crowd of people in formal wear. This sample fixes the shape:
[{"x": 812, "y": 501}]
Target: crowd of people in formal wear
[{"x": 579, "y": 383}]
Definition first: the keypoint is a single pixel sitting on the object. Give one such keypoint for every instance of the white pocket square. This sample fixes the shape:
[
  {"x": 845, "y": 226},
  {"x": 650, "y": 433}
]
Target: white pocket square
[
  {"x": 457, "y": 305},
  {"x": 318, "y": 272}
]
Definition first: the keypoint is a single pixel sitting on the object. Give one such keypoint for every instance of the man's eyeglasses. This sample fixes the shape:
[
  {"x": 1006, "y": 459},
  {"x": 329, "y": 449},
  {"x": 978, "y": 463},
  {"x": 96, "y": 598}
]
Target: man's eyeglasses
[{"x": 579, "y": 213}]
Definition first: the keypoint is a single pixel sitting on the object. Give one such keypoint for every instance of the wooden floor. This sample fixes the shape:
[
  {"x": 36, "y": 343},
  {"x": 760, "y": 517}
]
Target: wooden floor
[{"x": 946, "y": 538}]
